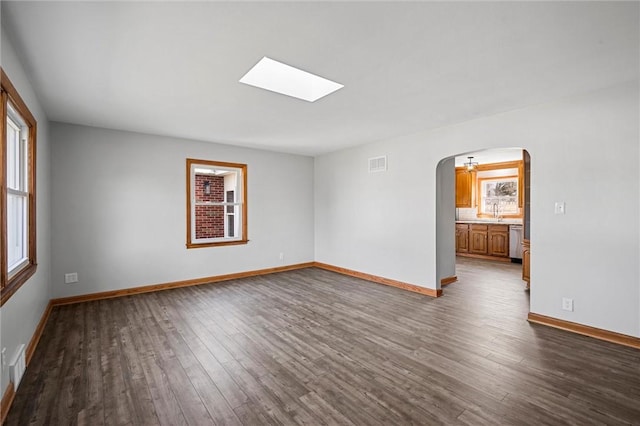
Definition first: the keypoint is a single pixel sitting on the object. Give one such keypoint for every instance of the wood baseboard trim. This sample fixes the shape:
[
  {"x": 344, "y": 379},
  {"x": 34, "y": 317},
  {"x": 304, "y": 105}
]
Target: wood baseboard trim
[
  {"x": 37, "y": 334},
  {"x": 7, "y": 400},
  {"x": 380, "y": 280},
  {"x": 585, "y": 330},
  {"x": 448, "y": 280},
  {"x": 485, "y": 257},
  {"x": 175, "y": 284}
]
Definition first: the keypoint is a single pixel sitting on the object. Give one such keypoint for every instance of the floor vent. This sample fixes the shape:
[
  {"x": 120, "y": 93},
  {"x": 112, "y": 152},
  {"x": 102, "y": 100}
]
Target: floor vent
[
  {"x": 17, "y": 367},
  {"x": 378, "y": 164}
]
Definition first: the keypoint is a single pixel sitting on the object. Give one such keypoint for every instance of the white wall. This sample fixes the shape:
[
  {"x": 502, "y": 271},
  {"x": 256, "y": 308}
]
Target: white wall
[
  {"x": 119, "y": 215},
  {"x": 584, "y": 151},
  {"x": 22, "y": 312},
  {"x": 445, "y": 220}
]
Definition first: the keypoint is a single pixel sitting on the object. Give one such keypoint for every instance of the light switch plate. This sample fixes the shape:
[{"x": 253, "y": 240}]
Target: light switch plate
[{"x": 560, "y": 207}]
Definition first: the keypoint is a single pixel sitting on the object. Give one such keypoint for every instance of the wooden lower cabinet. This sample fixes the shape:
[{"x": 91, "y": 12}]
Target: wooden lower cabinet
[
  {"x": 526, "y": 262},
  {"x": 482, "y": 240},
  {"x": 498, "y": 240},
  {"x": 478, "y": 239},
  {"x": 462, "y": 238}
]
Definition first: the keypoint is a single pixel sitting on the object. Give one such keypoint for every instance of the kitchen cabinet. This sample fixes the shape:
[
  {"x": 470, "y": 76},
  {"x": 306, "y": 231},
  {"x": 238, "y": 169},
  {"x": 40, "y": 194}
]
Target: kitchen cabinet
[
  {"x": 521, "y": 184},
  {"x": 526, "y": 262},
  {"x": 464, "y": 188},
  {"x": 478, "y": 235},
  {"x": 483, "y": 240},
  {"x": 498, "y": 236},
  {"x": 462, "y": 238}
]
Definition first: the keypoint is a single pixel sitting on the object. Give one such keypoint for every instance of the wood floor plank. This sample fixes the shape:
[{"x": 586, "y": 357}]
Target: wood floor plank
[
  {"x": 324, "y": 411},
  {"x": 182, "y": 342},
  {"x": 166, "y": 336},
  {"x": 208, "y": 351},
  {"x": 117, "y": 406},
  {"x": 314, "y": 347},
  {"x": 262, "y": 402},
  {"x": 93, "y": 411},
  {"x": 152, "y": 357},
  {"x": 132, "y": 357}
]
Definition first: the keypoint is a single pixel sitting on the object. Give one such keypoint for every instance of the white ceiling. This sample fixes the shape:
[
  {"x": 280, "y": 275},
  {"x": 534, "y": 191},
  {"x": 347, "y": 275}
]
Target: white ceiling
[{"x": 172, "y": 68}]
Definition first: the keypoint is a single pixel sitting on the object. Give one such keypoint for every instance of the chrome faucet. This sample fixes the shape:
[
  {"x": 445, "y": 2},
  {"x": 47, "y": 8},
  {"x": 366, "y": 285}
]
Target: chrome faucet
[{"x": 496, "y": 211}]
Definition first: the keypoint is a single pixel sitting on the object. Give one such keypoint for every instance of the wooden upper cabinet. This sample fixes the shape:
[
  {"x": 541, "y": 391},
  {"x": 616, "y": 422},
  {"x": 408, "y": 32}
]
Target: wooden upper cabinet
[{"x": 464, "y": 188}]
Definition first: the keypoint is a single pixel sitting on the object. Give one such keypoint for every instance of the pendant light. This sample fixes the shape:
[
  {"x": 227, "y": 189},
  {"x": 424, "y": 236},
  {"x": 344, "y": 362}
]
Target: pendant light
[{"x": 470, "y": 165}]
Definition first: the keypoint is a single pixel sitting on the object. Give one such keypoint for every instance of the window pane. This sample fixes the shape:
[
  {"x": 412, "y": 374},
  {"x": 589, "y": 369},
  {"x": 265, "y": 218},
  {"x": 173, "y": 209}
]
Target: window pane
[
  {"x": 16, "y": 229},
  {"x": 499, "y": 196},
  {"x": 209, "y": 188},
  {"x": 230, "y": 225},
  {"x": 13, "y": 155},
  {"x": 230, "y": 199},
  {"x": 209, "y": 221}
]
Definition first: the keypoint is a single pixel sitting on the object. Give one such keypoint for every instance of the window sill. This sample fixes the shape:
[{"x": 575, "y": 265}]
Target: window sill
[
  {"x": 216, "y": 244},
  {"x": 16, "y": 282}
]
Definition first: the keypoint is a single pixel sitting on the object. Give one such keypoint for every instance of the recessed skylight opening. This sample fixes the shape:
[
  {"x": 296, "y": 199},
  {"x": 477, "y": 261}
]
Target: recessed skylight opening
[{"x": 287, "y": 80}]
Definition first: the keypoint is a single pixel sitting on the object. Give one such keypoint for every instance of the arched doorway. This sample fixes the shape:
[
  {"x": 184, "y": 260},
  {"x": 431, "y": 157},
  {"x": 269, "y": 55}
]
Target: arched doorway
[{"x": 495, "y": 221}]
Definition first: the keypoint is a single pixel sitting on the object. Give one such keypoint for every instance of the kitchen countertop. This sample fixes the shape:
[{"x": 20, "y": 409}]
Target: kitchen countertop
[{"x": 492, "y": 221}]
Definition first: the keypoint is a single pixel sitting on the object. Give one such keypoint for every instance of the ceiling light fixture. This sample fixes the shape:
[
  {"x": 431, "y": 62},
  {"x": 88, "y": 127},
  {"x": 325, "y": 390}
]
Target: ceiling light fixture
[
  {"x": 287, "y": 80},
  {"x": 471, "y": 165}
]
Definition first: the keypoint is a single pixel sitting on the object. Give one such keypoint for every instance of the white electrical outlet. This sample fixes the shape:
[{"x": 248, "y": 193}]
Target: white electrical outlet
[
  {"x": 71, "y": 278},
  {"x": 567, "y": 304},
  {"x": 281, "y": 256},
  {"x": 561, "y": 207}
]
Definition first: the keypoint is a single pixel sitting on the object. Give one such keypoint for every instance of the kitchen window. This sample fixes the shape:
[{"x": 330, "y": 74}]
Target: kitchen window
[
  {"x": 216, "y": 203},
  {"x": 499, "y": 197},
  {"x": 18, "y": 243}
]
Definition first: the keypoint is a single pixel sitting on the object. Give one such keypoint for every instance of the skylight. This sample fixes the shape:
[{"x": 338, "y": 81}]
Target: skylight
[{"x": 287, "y": 80}]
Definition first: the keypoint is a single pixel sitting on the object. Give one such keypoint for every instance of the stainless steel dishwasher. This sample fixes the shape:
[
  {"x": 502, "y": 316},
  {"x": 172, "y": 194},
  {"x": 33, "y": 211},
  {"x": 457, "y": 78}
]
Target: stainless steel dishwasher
[{"x": 515, "y": 242}]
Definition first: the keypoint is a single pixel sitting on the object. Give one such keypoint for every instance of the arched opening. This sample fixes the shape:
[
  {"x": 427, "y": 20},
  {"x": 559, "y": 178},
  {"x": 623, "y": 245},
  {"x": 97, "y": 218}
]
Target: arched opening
[{"x": 483, "y": 216}]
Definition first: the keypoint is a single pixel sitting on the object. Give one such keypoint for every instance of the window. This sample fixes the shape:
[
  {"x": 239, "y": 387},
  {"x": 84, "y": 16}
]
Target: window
[
  {"x": 216, "y": 203},
  {"x": 496, "y": 189},
  {"x": 499, "y": 197},
  {"x": 18, "y": 245}
]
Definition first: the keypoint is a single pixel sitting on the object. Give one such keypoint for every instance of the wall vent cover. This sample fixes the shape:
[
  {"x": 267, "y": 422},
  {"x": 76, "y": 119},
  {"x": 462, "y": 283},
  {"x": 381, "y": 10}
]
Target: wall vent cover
[
  {"x": 378, "y": 164},
  {"x": 17, "y": 367}
]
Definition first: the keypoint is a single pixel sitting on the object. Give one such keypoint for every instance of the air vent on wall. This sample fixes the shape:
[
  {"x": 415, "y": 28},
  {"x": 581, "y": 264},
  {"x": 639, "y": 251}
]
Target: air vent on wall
[
  {"x": 378, "y": 164},
  {"x": 17, "y": 367}
]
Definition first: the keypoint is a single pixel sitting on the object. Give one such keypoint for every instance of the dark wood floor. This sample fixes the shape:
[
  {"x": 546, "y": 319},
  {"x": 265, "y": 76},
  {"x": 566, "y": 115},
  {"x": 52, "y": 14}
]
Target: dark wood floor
[{"x": 314, "y": 347}]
